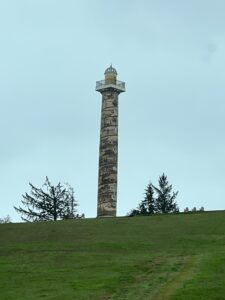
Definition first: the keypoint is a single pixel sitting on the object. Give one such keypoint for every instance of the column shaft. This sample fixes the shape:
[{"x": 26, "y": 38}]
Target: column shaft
[{"x": 108, "y": 155}]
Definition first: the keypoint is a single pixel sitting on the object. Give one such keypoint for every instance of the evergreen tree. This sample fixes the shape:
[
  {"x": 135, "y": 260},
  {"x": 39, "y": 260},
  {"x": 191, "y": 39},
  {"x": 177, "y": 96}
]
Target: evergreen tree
[
  {"x": 147, "y": 206},
  {"x": 51, "y": 204},
  {"x": 133, "y": 212},
  {"x": 164, "y": 202}
]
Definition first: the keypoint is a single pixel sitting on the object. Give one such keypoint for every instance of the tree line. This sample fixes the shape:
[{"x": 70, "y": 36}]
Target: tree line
[{"x": 57, "y": 202}]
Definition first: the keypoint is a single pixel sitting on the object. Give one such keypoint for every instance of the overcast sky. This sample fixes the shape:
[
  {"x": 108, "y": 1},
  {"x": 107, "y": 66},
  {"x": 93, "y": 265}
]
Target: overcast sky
[{"x": 171, "y": 54}]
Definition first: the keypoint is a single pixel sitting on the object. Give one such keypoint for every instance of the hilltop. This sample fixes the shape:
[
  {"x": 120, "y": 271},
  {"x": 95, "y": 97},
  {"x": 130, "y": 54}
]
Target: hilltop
[{"x": 177, "y": 256}]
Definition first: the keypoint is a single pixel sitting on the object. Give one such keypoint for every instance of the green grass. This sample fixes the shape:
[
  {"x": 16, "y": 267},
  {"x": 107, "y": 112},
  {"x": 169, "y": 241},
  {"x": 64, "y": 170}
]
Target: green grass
[{"x": 177, "y": 257}]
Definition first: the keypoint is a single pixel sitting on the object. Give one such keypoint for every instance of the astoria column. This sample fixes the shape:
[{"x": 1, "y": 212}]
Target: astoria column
[{"x": 110, "y": 88}]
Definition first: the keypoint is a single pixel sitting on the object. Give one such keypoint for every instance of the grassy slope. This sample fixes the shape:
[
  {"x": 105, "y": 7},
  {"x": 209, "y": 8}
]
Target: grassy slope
[{"x": 161, "y": 257}]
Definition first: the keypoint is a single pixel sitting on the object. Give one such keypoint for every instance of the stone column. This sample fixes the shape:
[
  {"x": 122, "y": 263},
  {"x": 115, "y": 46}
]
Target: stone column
[
  {"x": 108, "y": 155},
  {"x": 110, "y": 88}
]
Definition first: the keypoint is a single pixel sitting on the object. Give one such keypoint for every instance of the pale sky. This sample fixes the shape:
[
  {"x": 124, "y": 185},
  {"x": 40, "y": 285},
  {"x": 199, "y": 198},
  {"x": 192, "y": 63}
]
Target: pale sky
[{"x": 171, "y": 54}]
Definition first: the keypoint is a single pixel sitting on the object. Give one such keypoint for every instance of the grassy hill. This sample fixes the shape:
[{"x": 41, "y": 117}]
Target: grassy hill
[{"x": 160, "y": 257}]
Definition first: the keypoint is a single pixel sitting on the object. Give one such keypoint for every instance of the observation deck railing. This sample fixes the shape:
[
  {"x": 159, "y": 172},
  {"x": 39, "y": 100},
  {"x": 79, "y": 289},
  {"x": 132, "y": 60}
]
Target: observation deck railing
[{"x": 104, "y": 84}]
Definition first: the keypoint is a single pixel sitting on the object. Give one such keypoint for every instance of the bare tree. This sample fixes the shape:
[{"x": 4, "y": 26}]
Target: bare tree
[
  {"x": 48, "y": 204},
  {"x": 6, "y": 219}
]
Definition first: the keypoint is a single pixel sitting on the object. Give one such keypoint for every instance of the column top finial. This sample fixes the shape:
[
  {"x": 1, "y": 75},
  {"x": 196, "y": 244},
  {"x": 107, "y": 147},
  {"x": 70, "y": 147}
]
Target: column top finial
[{"x": 110, "y": 70}]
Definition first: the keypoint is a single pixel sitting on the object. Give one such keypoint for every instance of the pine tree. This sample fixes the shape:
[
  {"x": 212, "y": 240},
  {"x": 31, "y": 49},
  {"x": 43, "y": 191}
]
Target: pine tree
[
  {"x": 147, "y": 206},
  {"x": 134, "y": 212},
  {"x": 164, "y": 202},
  {"x": 51, "y": 204}
]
